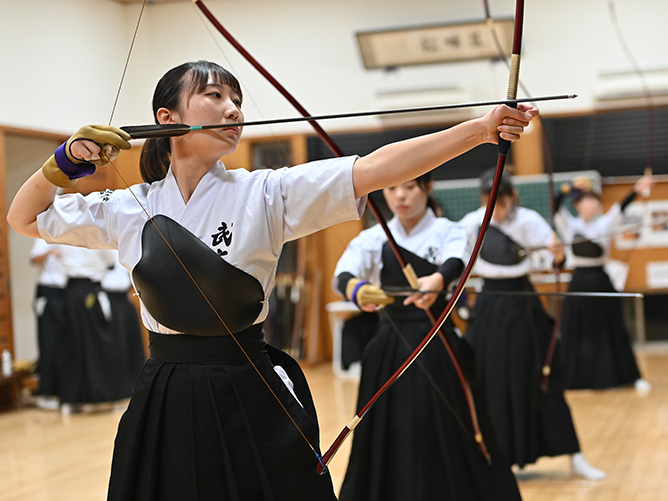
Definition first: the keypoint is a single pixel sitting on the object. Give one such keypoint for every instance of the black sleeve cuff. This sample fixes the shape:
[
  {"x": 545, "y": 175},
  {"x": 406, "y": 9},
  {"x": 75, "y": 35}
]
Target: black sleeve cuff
[
  {"x": 451, "y": 269},
  {"x": 342, "y": 281},
  {"x": 628, "y": 200},
  {"x": 558, "y": 200}
]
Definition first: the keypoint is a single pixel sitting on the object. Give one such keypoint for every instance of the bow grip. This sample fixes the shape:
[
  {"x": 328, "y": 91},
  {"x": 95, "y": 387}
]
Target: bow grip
[{"x": 513, "y": 81}]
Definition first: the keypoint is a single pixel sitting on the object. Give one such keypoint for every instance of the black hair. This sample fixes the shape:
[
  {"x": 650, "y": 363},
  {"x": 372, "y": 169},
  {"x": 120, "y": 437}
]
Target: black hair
[
  {"x": 577, "y": 194},
  {"x": 182, "y": 81},
  {"x": 506, "y": 187},
  {"x": 423, "y": 182}
]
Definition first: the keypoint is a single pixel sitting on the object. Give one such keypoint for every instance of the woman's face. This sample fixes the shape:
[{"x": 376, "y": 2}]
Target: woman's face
[
  {"x": 408, "y": 201},
  {"x": 216, "y": 104},
  {"x": 588, "y": 207}
]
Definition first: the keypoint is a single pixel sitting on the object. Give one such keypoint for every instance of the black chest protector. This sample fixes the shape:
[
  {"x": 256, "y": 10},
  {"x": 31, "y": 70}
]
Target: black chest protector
[
  {"x": 586, "y": 248},
  {"x": 170, "y": 295},
  {"x": 393, "y": 276},
  {"x": 499, "y": 248}
]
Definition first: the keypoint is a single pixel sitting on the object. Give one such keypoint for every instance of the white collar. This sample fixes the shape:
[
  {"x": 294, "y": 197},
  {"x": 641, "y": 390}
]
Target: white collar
[
  {"x": 165, "y": 196},
  {"x": 424, "y": 223}
]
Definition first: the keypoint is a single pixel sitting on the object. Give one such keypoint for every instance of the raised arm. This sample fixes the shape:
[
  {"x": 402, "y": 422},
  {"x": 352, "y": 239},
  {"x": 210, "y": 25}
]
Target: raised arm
[
  {"x": 74, "y": 159},
  {"x": 400, "y": 162},
  {"x": 35, "y": 196}
]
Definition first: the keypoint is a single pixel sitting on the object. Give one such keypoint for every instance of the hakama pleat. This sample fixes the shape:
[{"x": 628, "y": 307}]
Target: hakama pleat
[
  {"x": 413, "y": 444},
  {"x": 206, "y": 427},
  {"x": 89, "y": 358},
  {"x": 129, "y": 342},
  {"x": 597, "y": 348},
  {"x": 51, "y": 325},
  {"x": 510, "y": 336}
]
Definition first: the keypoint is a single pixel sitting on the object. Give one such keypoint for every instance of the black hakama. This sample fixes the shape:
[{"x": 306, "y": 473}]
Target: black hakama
[
  {"x": 596, "y": 345},
  {"x": 417, "y": 441},
  {"x": 51, "y": 327},
  {"x": 89, "y": 356},
  {"x": 129, "y": 342},
  {"x": 201, "y": 424},
  {"x": 510, "y": 336}
]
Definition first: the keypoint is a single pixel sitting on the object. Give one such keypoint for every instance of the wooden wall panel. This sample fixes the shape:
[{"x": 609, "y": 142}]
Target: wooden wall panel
[
  {"x": 6, "y": 335},
  {"x": 637, "y": 258}
]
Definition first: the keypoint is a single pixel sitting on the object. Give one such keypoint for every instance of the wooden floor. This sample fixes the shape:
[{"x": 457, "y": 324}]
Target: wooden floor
[{"x": 47, "y": 456}]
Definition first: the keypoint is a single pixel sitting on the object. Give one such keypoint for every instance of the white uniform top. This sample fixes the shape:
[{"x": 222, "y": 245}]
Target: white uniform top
[
  {"x": 117, "y": 279},
  {"x": 246, "y": 217},
  {"x": 527, "y": 228},
  {"x": 52, "y": 272},
  {"x": 434, "y": 239},
  {"x": 598, "y": 230},
  {"x": 92, "y": 264}
]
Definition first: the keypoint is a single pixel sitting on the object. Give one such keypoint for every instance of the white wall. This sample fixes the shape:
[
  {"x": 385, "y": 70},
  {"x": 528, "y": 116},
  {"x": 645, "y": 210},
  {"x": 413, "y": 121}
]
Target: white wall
[{"x": 61, "y": 62}]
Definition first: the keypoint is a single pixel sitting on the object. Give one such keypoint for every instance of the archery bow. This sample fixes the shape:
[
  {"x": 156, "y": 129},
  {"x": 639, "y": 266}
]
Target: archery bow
[
  {"x": 547, "y": 364},
  {"x": 504, "y": 147},
  {"x": 637, "y": 69},
  {"x": 647, "y": 92},
  {"x": 407, "y": 269}
]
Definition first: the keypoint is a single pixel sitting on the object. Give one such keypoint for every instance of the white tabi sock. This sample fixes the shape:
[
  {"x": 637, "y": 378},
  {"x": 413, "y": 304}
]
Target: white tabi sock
[{"x": 582, "y": 468}]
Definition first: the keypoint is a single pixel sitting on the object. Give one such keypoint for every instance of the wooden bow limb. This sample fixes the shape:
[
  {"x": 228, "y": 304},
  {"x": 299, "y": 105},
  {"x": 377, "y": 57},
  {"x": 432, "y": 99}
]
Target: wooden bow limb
[
  {"x": 637, "y": 69},
  {"x": 547, "y": 364},
  {"x": 407, "y": 269},
  {"x": 504, "y": 147}
]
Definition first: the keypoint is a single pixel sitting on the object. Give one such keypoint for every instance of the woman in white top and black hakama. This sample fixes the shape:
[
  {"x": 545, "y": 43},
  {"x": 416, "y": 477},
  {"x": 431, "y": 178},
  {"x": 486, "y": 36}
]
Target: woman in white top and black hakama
[
  {"x": 417, "y": 441},
  {"x": 510, "y": 335},
  {"x": 124, "y": 324},
  {"x": 88, "y": 363},
  {"x": 596, "y": 345},
  {"x": 202, "y": 423},
  {"x": 49, "y": 306}
]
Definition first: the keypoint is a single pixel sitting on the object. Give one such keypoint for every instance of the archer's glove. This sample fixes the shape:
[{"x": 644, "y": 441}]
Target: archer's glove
[
  {"x": 63, "y": 169},
  {"x": 362, "y": 292}
]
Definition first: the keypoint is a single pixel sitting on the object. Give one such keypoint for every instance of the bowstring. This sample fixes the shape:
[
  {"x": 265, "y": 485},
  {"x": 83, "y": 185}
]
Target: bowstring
[
  {"x": 439, "y": 391},
  {"x": 628, "y": 228},
  {"x": 127, "y": 62},
  {"x": 649, "y": 104},
  {"x": 213, "y": 308},
  {"x": 150, "y": 218},
  {"x": 287, "y": 153},
  {"x": 339, "y": 240},
  {"x": 550, "y": 186}
]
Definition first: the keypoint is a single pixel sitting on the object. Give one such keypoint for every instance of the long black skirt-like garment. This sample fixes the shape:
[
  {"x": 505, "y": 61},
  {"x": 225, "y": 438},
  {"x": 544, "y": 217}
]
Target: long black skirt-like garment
[
  {"x": 201, "y": 425},
  {"x": 51, "y": 327},
  {"x": 129, "y": 342},
  {"x": 417, "y": 443},
  {"x": 510, "y": 336},
  {"x": 89, "y": 360},
  {"x": 596, "y": 345}
]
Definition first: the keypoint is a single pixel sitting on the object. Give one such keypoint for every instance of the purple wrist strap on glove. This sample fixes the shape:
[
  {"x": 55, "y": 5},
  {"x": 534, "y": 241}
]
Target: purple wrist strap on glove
[
  {"x": 353, "y": 296},
  {"x": 69, "y": 168}
]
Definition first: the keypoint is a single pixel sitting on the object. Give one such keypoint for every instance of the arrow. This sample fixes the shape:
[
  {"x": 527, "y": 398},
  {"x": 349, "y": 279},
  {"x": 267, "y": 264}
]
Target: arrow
[{"x": 173, "y": 130}]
